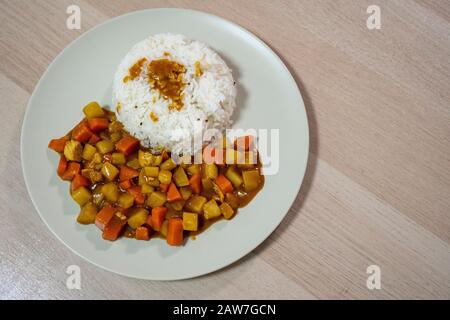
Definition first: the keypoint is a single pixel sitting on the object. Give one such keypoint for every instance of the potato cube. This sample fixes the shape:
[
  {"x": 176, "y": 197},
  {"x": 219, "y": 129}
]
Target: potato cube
[
  {"x": 88, "y": 152},
  {"x": 105, "y": 146},
  {"x": 211, "y": 210},
  {"x": 157, "y": 159},
  {"x": 169, "y": 164},
  {"x": 137, "y": 218},
  {"x": 163, "y": 229},
  {"x": 193, "y": 169},
  {"x": 93, "y": 110},
  {"x": 165, "y": 176},
  {"x": 110, "y": 192},
  {"x": 87, "y": 214},
  {"x": 125, "y": 201},
  {"x": 232, "y": 200},
  {"x": 195, "y": 203},
  {"x": 151, "y": 171},
  {"x": 180, "y": 177},
  {"x": 81, "y": 196},
  {"x": 234, "y": 176},
  {"x": 156, "y": 199},
  {"x": 211, "y": 171},
  {"x": 118, "y": 158},
  {"x": 109, "y": 171},
  {"x": 227, "y": 210},
  {"x": 147, "y": 189},
  {"x": 145, "y": 158},
  {"x": 73, "y": 150},
  {"x": 186, "y": 192},
  {"x": 116, "y": 136},
  {"x": 134, "y": 163},
  {"x": 252, "y": 179},
  {"x": 190, "y": 221},
  {"x": 207, "y": 184}
]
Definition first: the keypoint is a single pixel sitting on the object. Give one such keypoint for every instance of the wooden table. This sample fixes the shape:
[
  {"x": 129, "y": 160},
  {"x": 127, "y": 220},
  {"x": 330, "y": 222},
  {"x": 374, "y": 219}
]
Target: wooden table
[{"x": 377, "y": 189}]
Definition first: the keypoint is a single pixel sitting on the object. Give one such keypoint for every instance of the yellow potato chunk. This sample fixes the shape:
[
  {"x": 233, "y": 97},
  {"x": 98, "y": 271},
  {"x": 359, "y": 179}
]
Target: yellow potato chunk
[
  {"x": 211, "y": 210},
  {"x": 109, "y": 171},
  {"x": 105, "y": 146},
  {"x": 81, "y": 196},
  {"x": 151, "y": 171},
  {"x": 125, "y": 201},
  {"x": 195, "y": 204},
  {"x": 165, "y": 176},
  {"x": 93, "y": 110},
  {"x": 180, "y": 177},
  {"x": 147, "y": 189},
  {"x": 138, "y": 218},
  {"x": 227, "y": 210},
  {"x": 156, "y": 199},
  {"x": 234, "y": 176},
  {"x": 211, "y": 171},
  {"x": 190, "y": 221},
  {"x": 186, "y": 192},
  {"x": 193, "y": 169},
  {"x": 87, "y": 214},
  {"x": 88, "y": 152},
  {"x": 252, "y": 180},
  {"x": 118, "y": 158},
  {"x": 145, "y": 158},
  {"x": 111, "y": 192},
  {"x": 73, "y": 150},
  {"x": 169, "y": 164}
]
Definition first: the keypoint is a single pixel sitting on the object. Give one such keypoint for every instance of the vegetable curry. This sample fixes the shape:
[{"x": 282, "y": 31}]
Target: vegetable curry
[{"x": 125, "y": 189}]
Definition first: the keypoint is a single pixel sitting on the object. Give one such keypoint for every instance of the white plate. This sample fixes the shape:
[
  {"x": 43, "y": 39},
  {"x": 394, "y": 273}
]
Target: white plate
[{"x": 268, "y": 98}]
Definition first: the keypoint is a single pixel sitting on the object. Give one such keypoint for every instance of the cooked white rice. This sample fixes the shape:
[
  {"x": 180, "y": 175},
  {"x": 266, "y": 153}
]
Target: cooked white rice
[{"x": 209, "y": 100}]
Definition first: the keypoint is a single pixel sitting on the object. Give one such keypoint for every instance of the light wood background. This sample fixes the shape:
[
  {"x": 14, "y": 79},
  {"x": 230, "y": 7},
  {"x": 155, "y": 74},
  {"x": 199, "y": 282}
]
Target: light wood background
[{"x": 377, "y": 189}]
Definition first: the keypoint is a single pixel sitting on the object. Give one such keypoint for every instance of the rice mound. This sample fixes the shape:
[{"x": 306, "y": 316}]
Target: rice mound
[{"x": 208, "y": 99}]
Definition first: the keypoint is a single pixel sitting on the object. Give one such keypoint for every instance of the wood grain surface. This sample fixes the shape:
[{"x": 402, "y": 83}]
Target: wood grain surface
[{"x": 377, "y": 189}]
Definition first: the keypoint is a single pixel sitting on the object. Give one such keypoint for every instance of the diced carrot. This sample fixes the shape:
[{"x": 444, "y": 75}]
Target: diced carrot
[
  {"x": 157, "y": 217},
  {"x": 98, "y": 124},
  {"x": 58, "y": 144},
  {"x": 196, "y": 183},
  {"x": 103, "y": 216},
  {"x": 82, "y": 132},
  {"x": 142, "y": 233},
  {"x": 78, "y": 181},
  {"x": 62, "y": 166},
  {"x": 107, "y": 157},
  {"x": 149, "y": 221},
  {"x": 164, "y": 187},
  {"x": 224, "y": 184},
  {"x": 173, "y": 194},
  {"x": 213, "y": 155},
  {"x": 244, "y": 143},
  {"x": 126, "y": 184},
  {"x": 113, "y": 228},
  {"x": 175, "y": 232},
  {"x": 127, "y": 173},
  {"x": 94, "y": 139},
  {"x": 127, "y": 145},
  {"x": 139, "y": 197},
  {"x": 73, "y": 169}
]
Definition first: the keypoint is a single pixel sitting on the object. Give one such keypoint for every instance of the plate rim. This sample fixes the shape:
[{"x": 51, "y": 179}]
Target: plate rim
[{"x": 238, "y": 257}]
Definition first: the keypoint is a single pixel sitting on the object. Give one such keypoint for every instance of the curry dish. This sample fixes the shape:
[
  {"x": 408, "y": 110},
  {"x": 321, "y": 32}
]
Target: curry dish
[{"x": 126, "y": 190}]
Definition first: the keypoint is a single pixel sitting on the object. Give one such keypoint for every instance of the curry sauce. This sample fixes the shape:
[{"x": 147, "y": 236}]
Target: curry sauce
[{"x": 128, "y": 190}]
